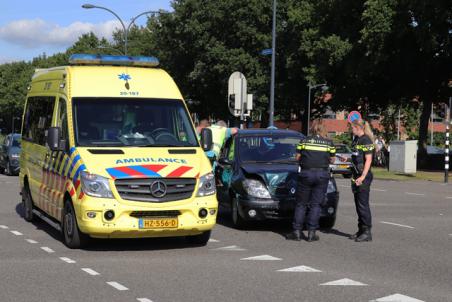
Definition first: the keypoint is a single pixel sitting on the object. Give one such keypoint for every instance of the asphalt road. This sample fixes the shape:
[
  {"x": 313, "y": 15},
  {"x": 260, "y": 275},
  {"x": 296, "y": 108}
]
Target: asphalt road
[{"x": 410, "y": 258}]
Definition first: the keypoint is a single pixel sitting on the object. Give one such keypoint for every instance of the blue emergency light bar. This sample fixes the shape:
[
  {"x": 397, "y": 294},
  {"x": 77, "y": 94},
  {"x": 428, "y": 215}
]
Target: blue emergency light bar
[{"x": 91, "y": 59}]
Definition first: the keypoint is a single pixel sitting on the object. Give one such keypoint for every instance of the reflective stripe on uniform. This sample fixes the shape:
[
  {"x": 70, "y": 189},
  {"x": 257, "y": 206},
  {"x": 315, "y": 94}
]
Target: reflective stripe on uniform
[
  {"x": 315, "y": 147},
  {"x": 365, "y": 148}
]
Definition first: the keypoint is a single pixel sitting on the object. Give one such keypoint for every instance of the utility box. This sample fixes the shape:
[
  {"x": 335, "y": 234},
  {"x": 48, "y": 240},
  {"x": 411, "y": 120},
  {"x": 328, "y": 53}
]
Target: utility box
[{"x": 403, "y": 157}]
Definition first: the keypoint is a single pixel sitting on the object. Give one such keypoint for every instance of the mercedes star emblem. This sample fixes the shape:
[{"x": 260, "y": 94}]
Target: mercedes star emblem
[{"x": 158, "y": 189}]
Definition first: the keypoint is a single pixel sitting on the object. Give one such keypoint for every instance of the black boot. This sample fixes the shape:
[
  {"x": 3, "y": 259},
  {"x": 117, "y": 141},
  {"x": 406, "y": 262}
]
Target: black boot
[
  {"x": 365, "y": 236},
  {"x": 312, "y": 236},
  {"x": 357, "y": 234},
  {"x": 295, "y": 235}
]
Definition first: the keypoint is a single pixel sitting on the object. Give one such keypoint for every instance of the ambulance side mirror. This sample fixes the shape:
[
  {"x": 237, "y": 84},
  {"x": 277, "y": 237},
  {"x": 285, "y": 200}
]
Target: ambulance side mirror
[
  {"x": 53, "y": 139},
  {"x": 206, "y": 139}
]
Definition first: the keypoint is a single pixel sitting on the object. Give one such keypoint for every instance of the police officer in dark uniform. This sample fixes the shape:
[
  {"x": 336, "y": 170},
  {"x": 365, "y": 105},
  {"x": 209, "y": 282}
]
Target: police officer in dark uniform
[
  {"x": 314, "y": 154},
  {"x": 362, "y": 148}
]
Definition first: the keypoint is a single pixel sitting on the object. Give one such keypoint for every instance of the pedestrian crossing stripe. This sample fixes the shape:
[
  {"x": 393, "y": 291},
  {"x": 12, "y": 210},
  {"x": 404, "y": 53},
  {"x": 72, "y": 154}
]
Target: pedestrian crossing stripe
[
  {"x": 300, "y": 269},
  {"x": 344, "y": 282},
  {"x": 398, "y": 298},
  {"x": 262, "y": 258}
]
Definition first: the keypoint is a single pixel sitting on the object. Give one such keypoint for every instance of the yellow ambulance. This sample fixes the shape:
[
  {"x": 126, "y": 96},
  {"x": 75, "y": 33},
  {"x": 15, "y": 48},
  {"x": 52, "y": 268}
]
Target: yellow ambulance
[{"x": 109, "y": 151}]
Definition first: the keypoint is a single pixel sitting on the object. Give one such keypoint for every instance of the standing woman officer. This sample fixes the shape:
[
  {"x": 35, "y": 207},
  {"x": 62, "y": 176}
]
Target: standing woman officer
[{"x": 362, "y": 149}]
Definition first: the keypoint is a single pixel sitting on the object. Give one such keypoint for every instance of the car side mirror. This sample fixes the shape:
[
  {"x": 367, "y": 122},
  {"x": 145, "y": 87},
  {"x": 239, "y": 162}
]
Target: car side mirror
[
  {"x": 224, "y": 162},
  {"x": 53, "y": 139},
  {"x": 206, "y": 139}
]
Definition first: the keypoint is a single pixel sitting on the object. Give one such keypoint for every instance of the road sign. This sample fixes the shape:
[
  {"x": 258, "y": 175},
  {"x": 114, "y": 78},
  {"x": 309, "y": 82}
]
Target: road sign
[
  {"x": 266, "y": 52},
  {"x": 353, "y": 116},
  {"x": 237, "y": 95}
]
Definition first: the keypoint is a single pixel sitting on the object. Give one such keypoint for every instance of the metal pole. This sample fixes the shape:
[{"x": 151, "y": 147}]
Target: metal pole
[
  {"x": 447, "y": 143},
  {"x": 13, "y": 126},
  {"x": 309, "y": 109},
  {"x": 431, "y": 127},
  {"x": 272, "y": 85},
  {"x": 398, "y": 126}
]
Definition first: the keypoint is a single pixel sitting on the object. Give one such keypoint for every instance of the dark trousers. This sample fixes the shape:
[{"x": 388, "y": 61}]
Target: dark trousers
[
  {"x": 311, "y": 189},
  {"x": 361, "y": 194}
]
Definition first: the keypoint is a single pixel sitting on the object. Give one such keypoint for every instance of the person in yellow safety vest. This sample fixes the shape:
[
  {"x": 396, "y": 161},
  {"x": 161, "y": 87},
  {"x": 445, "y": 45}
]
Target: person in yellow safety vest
[{"x": 220, "y": 134}]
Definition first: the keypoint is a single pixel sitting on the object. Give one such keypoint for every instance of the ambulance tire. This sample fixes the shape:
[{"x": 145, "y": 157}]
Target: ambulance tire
[
  {"x": 27, "y": 205},
  {"x": 8, "y": 169},
  {"x": 73, "y": 238},
  {"x": 200, "y": 240}
]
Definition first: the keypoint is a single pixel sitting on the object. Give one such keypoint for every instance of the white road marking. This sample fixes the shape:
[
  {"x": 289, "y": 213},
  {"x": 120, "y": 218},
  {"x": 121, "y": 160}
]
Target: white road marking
[
  {"x": 90, "y": 271},
  {"x": 450, "y": 234},
  {"x": 117, "y": 285},
  {"x": 300, "y": 269},
  {"x": 17, "y": 233},
  {"x": 344, "y": 282},
  {"x": 47, "y": 249},
  {"x": 396, "y": 224},
  {"x": 232, "y": 248},
  {"x": 213, "y": 240},
  {"x": 31, "y": 241},
  {"x": 3, "y": 227},
  {"x": 68, "y": 260},
  {"x": 448, "y": 197},
  {"x": 379, "y": 190},
  {"x": 415, "y": 194},
  {"x": 344, "y": 186},
  {"x": 262, "y": 258},
  {"x": 143, "y": 300},
  {"x": 397, "y": 298}
]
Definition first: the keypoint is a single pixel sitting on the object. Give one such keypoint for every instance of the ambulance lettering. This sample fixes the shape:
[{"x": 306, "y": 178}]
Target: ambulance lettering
[{"x": 150, "y": 159}]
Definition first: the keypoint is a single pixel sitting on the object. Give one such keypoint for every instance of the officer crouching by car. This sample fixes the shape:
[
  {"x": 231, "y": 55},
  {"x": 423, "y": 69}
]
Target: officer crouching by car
[{"x": 314, "y": 154}]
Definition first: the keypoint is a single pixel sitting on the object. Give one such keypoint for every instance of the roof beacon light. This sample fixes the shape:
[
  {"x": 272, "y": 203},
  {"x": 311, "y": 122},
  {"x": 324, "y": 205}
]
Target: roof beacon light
[{"x": 92, "y": 59}]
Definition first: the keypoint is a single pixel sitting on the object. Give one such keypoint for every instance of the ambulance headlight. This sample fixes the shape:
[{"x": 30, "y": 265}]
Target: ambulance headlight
[
  {"x": 256, "y": 188},
  {"x": 95, "y": 185},
  {"x": 206, "y": 185}
]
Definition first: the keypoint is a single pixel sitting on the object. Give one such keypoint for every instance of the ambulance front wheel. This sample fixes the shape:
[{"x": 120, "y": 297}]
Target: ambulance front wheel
[
  {"x": 200, "y": 239},
  {"x": 72, "y": 236},
  {"x": 27, "y": 205}
]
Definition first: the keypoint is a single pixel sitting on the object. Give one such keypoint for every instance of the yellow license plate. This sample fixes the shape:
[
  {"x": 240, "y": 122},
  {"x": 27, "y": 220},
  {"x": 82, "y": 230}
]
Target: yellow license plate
[
  {"x": 343, "y": 166},
  {"x": 158, "y": 223}
]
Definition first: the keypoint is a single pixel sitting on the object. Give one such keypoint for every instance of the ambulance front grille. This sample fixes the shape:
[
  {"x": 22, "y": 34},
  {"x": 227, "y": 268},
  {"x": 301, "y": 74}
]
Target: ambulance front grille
[{"x": 139, "y": 189}]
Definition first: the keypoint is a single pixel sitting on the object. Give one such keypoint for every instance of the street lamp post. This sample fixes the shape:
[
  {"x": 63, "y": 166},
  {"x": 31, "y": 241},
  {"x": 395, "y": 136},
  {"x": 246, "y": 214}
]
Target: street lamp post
[
  {"x": 126, "y": 29},
  {"x": 272, "y": 85},
  {"x": 309, "y": 102}
]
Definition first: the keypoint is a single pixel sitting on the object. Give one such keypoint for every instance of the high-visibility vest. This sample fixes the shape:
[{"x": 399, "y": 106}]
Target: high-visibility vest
[{"x": 218, "y": 138}]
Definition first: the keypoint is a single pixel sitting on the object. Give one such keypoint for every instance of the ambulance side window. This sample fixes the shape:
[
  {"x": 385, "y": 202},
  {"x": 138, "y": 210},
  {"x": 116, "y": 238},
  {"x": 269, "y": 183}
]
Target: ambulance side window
[
  {"x": 38, "y": 118},
  {"x": 62, "y": 120}
]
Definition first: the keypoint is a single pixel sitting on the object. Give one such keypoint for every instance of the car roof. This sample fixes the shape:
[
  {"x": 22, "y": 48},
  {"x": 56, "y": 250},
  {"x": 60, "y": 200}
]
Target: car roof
[{"x": 247, "y": 132}]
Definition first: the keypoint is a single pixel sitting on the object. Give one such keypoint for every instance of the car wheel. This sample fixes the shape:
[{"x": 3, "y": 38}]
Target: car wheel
[
  {"x": 237, "y": 220},
  {"x": 327, "y": 223},
  {"x": 72, "y": 237},
  {"x": 347, "y": 175},
  {"x": 27, "y": 205},
  {"x": 200, "y": 239}
]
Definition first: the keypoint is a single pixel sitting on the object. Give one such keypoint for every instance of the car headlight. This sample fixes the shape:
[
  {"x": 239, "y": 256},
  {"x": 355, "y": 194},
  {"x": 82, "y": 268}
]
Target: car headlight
[
  {"x": 206, "y": 185},
  {"x": 15, "y": 156},
  {"x": 256, "y": 188},
  {"x": 95, "y": 185}
]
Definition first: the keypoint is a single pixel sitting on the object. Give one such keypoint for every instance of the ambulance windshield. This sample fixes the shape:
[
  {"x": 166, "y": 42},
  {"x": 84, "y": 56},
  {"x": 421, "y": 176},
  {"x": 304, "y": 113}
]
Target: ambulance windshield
[{"x": 121, "y": 122}]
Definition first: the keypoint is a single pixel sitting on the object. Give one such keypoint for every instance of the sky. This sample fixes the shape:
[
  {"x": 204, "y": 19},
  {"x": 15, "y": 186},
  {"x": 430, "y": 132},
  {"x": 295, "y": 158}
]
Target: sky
[{"x": 29, "y": 28}]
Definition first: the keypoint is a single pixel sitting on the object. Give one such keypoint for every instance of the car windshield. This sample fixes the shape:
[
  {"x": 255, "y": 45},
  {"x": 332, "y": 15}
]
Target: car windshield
[
  {"x": 107, "y": 122},
  {"x": 343, "y": 149},
  {"x": 268, "y": 148}
]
